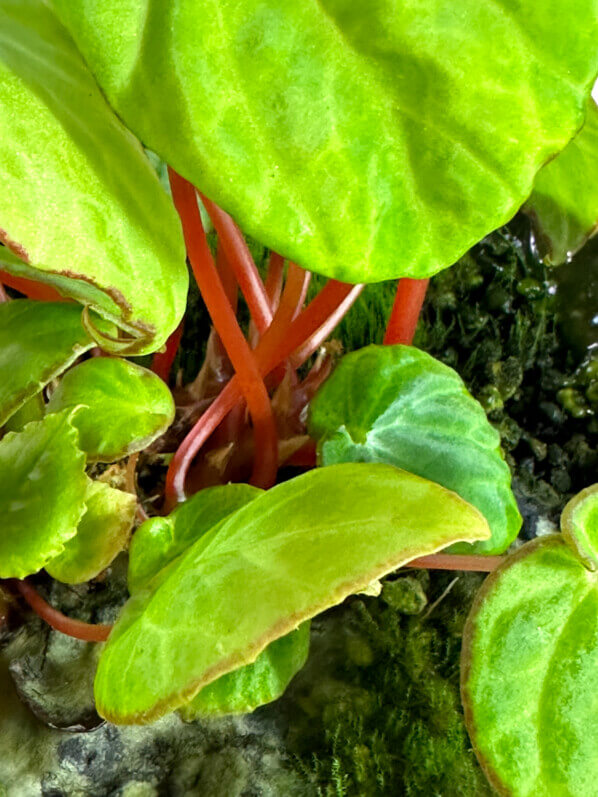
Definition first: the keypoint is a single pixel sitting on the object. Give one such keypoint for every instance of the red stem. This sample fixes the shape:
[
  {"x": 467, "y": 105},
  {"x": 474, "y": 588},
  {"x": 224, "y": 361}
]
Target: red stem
[
  {"x": 327, "y": 328},
  {"x": 57, "y": 620},
  {"x": 448, "y": 561},
  {"x": 240, "y": 259},
  {"x": 277, "y": 344},
  {"x": 229, "y": 281},
  {"x": 405, "y": 311},
  {"x": 225, "y": 323},
  {"x": 163, "y": 360},
  {"x": 32, "y": 289},
  {"x": 274, "y": 279}
]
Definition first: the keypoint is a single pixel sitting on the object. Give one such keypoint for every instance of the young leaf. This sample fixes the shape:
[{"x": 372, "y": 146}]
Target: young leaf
[
  {"x": 292, "y": 552},
  {"x": 38, "y": 341},
  {"x": 564, "y": 203},
  {"x": 81, "y": 206},
  {"x": 42, "y": 493},
  {"x": 364, "y": 141},
  {"x": 103, "y": 533},
  {"x": 579, "y": 524},
  {"x": 160, "y": 540},
  {"x": 530, "y": 673},
  {"x": 399, "y": 405},
  {"x": 254, "y": 685},
  {"x": 125, "y": 407}
]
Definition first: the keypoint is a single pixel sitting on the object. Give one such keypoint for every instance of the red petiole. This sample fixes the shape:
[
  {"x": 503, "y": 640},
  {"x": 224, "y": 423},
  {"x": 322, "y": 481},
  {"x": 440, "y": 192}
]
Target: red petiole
[{"x": 405, "y": 312}]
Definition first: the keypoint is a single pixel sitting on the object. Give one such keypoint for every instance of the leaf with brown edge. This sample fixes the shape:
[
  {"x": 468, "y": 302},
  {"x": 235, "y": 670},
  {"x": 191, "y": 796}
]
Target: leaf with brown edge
[{"x": 297, "y": 549}]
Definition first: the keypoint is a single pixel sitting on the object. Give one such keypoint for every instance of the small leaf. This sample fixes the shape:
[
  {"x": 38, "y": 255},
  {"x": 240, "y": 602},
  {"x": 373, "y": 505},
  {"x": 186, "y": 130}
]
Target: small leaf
[
  {"x": 38, "y": 341},
  {"x": 125, "y": 407},
  {"x": 81, "y": 207},
  {"x": 254, "y": 685},
  {"x": 530, "y": 673},
  {"x": 363, "y": 140},
  {"x": 160, "y": 540},
  {"x": 103, "y": 533},
  {"x": 294, "y": 551},
  {"x": 564, "y": 202},
  {"x": 399, "y": 405},
  {"x": 42, "y": 493},
  {"x": 579, "y": 524}
]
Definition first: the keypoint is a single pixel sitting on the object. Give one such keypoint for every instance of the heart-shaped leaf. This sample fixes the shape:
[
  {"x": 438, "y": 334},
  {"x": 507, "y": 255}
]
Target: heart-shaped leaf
[
  {"x": 579, "y": 524},
  {"x": 399, "y": 405},
  {"x": 38, "y": 341},
  {"x": 363, "y": 140},
  {"x": 530, "y": 673},
  {"x": 564, "y": 203},
  {"x": 80, "y": 205},
  {"x": 290, "y": 553},
  {"x": 103, "y": 532},
  {"x": 125, "y": 407},
  {"x": 42, "y": 493}
]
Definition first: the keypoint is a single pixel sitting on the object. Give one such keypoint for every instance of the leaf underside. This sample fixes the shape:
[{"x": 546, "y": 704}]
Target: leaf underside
[
  {"x": 399, "y": 405},
  {"x": 362, "y": 141}
]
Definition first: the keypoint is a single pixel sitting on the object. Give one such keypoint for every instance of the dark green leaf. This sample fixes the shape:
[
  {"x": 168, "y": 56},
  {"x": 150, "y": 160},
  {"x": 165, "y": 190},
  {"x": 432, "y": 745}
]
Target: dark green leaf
[
  {"x": 364, "y": 141},
  {"x": 125, "y": 407},
  {"x": 287, "y": 555},
  {"x": 80, "y": 206},
  {"x": 103, "y": 533},
  {"x": 42, "y": 493},
  {"x": 38, "y": 341},
  {"x": 564, "y": 203},
  {"x": 396, "y": 404},
  {"x": 530, "y": 673}
]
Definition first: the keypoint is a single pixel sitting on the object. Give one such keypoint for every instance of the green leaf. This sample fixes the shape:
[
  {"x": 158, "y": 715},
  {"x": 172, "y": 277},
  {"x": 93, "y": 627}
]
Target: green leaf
[
  {"x": 34, "y": 409},
  {"x": 38, "y": 341},
  {"x": 254, "y": 685},
  {"x": 42, "y": 493},
  {"x": 364, "y": 141},
  {"x": 103, "y": 533},
  {"x": 81, "y": 206},
  {"x": 579, "y": 524},
  {"x": 530, "y": 673},
  {"x": 397, "y": 404},
  {"x": 160, "y": 540},
  {"x": 125, "y": 407},
  {"x": 286, "y": 556},
  {"x": 564, "y": 203}
]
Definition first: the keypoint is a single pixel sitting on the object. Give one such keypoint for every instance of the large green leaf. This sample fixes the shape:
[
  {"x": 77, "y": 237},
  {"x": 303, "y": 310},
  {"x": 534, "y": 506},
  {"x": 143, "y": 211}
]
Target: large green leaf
[
  {"x": 363, "y": 140},
  {"x": 42, "y": 493},
  {"x": 564, "y": 203},
  {"x": 158, "y": 543},
  {"x": 103, "y": 533},
  {"x": 530, "y": 673},
  {"x": 290, "y": 553},
  {"x": 125, "y": 407},
  {"x": 399, "y": 405},
  {"x": 255, "y": 684},
  {"x": 80, "y": 204},
  {"x": 38, "y": 341}
]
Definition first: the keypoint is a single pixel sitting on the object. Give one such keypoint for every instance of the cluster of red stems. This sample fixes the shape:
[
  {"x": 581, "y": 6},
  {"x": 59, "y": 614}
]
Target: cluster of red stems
[{"x": 284, "y": 334}]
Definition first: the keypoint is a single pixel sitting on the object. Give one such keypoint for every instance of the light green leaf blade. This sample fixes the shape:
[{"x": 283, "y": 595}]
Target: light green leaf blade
[
  {"x": 254, "y": 685},
  {"x": 579, "y": 524},
  {"x": 42, "y": 493},
  {"x": 363, "y": 141},
  {"x": 294, "y": 551},
  {"x": 38, "y": 341},
  {"x": 530, "y": 673},
  {"x": 564, "y": 202},
  {"x": 399, "y": 405},
  {"x": 102, "y": 534},
  {"x": 160, "y": 540},
  {"x": 80, "y": 204},
  {"x": 125, "y": 407}
]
